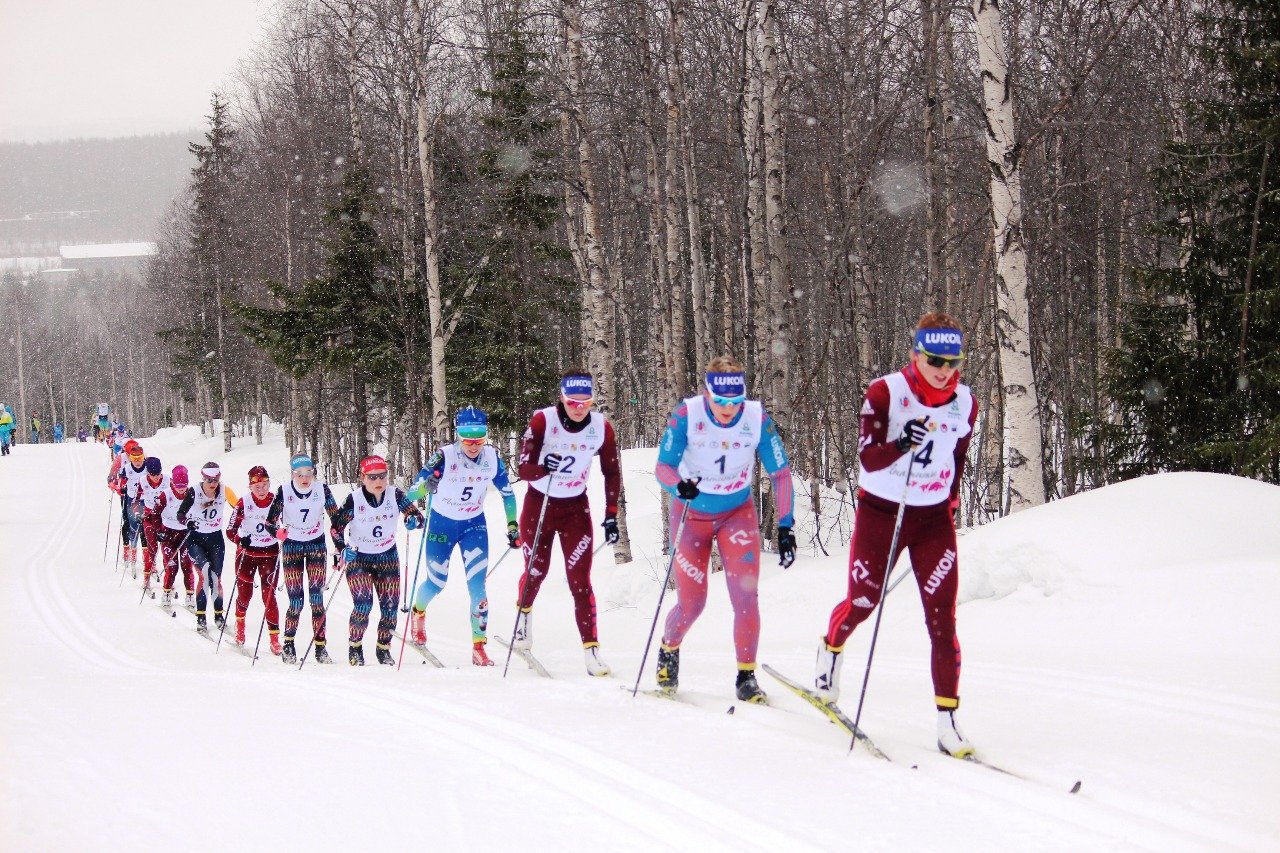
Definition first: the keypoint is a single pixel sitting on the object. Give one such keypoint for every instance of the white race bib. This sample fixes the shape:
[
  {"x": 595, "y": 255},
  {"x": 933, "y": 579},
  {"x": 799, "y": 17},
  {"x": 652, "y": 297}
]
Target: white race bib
[{"x": 934, "y": 469}]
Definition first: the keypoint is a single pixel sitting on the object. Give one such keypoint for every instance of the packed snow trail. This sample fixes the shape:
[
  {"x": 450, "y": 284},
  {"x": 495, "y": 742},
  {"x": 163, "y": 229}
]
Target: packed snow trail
[{"x": 114, "y": 717}]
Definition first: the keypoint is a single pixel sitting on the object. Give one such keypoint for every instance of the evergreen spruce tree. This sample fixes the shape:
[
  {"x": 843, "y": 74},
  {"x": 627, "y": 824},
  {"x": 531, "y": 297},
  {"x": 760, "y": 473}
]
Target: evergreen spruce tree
[
  {"x": 510, "y": 260},
  {"x": 343, "y": 321},
  {"x": 207, "y": 279},
  {"x": 1195, "y": 378}
]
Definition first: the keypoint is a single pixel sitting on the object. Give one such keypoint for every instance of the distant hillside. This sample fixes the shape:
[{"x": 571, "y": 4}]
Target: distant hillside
[{"x": 88, "y": 190}]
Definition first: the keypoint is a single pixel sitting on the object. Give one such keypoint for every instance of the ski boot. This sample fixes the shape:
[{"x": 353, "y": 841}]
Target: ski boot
[
  {"x": 167, "y": 599},
  {"x": 355, "y": 655},
  {"x": 322, "y": 654},
  {"x": 748, "y": 689},
  {"x": 522, "y": 637},
  {"x": 950, "y": 739},
  {"x": 595, "y": 666},
  {"x": 290, "y": 655},
  {"x": 478, "y": 656},
  {"x": 190, "y": 600},
  {"x": 826, "y": 682},
  {"x": 239, "y": 630},
  {"x": 418, "y": 627},
  {"x": 274, "y": 637},
  {"x": 668, "y": 669},
  {"x": 383, "y": 654},
  {"x": 201, "y": 625},
  {"x": 219, "y": 620}
]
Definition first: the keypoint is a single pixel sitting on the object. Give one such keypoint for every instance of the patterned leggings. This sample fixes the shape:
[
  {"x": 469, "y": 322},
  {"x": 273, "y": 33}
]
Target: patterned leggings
[
  {"x": 471, "y": 537},
  {"x": 296, "y": 558},
  {"x": 368, "y": 575},
  {"x": 737, "y": 532}
]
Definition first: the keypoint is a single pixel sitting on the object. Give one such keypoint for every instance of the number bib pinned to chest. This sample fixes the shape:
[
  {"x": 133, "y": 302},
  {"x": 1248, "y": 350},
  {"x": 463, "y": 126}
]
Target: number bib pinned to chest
[
  {"x": 723, "y": 456},
  {"x": 463, "y": 485},
  {"x": 577, "y": 451},
  {"x": 934, "y": 470},
  {"x": 373, "y": 528}
]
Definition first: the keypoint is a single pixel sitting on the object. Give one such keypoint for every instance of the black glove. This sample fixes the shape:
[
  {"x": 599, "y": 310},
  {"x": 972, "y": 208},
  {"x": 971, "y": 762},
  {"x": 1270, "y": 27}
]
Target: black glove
[
  {"x": 786, "y": 546},
  {"x": 913, "y": 435},
  {"x": 610, "y": 525},
  {"x": 513, "y": 534},
  {"x": 191, "y": 525},
  {"x": 552, "y": 462},
  {"x": 160, "y": 534},
  {"x": 687, "y": 489},
  {"x": 272, "y": 530},
  {"x": 244, "y": 541}
]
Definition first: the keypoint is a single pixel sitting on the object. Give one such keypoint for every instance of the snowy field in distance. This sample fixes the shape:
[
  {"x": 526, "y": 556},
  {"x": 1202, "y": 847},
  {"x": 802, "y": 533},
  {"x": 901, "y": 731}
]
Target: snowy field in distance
[{"x": 1123, "y": 637}]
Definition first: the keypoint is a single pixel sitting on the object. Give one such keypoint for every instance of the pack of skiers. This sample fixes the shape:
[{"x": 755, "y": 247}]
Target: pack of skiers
[{"x": 915, "y": 428}]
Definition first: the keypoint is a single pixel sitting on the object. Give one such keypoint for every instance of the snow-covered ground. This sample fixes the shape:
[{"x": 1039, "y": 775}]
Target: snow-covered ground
[{"x": 1122, "y": 637}]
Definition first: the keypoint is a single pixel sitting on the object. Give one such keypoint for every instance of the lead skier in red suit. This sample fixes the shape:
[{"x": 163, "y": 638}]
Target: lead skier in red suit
[
  {"x": 555, "y": 460},
  {"x": 917, "y": 421}
]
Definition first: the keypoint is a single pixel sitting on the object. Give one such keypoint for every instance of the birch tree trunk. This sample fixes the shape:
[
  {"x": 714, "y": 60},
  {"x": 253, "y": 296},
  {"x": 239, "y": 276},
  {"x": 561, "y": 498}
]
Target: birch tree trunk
[
  {"x": 756, "y": 279},
  {"x": 601, "y": 341},
  {"x": 781, "y": 347},
  {"x": 430, "y": 231},
  {"x": 1023, "y": 456}
]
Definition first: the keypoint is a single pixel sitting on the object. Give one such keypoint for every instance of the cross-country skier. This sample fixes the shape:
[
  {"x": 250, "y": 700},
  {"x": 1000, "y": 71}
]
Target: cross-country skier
[
  {"x": 297, "y": 518},
  {"x": 201, "y": 512},
  {"x": 706, "y": 460},
  {"x": 172, "y": 536},
  {"x": 145, "y": 496},
  {"x": 127, "y": 470},
  {"x": 919, "y": 421},
  {"x": 101, "y": 423},
  {"x": 364, "y": 529},
  {"x": 459, "y": 475},
  {"x": 559, "y": 447},
  {"x": 258, "y": 553},
  {"x": 6, "y": 429}
]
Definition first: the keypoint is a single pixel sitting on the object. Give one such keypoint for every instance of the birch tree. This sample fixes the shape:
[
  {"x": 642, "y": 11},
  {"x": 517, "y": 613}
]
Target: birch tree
[{"x": 1023, "y": 454}]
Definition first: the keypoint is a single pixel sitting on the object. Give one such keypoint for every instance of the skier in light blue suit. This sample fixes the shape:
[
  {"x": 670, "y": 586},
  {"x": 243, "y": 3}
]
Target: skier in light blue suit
[{"x": 458, "y": 476}]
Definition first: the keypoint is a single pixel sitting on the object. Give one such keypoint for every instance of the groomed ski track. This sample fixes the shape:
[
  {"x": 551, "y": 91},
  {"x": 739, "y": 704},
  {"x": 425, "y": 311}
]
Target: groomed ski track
[{"x": 114, "y": 720}]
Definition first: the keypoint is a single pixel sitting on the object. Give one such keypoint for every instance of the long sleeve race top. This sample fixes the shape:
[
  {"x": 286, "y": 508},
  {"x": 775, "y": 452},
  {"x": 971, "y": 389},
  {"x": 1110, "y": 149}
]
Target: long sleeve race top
[{"x": 772, "y": 455}]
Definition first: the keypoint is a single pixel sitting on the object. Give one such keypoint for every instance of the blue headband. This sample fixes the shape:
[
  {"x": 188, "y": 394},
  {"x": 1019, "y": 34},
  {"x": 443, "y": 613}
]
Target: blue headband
[
  {"x": 727, "y": 384},
  {"x": 302, "y": 460},
  {"x": 572, "y": 385},
  {"x": 944, "y": 342}
]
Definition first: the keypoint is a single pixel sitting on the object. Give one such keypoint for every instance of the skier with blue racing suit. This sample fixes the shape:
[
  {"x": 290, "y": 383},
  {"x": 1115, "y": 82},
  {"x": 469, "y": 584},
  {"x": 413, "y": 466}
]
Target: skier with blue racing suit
[{"x": 458, "y": 477}]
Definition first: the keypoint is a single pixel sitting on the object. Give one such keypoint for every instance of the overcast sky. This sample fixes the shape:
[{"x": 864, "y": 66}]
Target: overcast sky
[{"x": 77, "y": 68}]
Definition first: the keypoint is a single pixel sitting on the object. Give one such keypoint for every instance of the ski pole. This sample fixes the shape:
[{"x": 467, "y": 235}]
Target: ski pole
[
  {"x": 107, "y": 539},
  {"x": 235, "y": 597},
  {"x": 422, "y": 546},
  {"x": 875, "y": 631},
  {"x": 404, "y": 605},
  {"x": 274, "y": 573},
  {"x": 654, "y": 627},
  {"x": 533, "y": 555},
  {"x": 494, "y": 567},
  {"x": 119, "y": 542},
  {"x": 323, "y": 616},
  {"x": 404, "y": 636}
]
